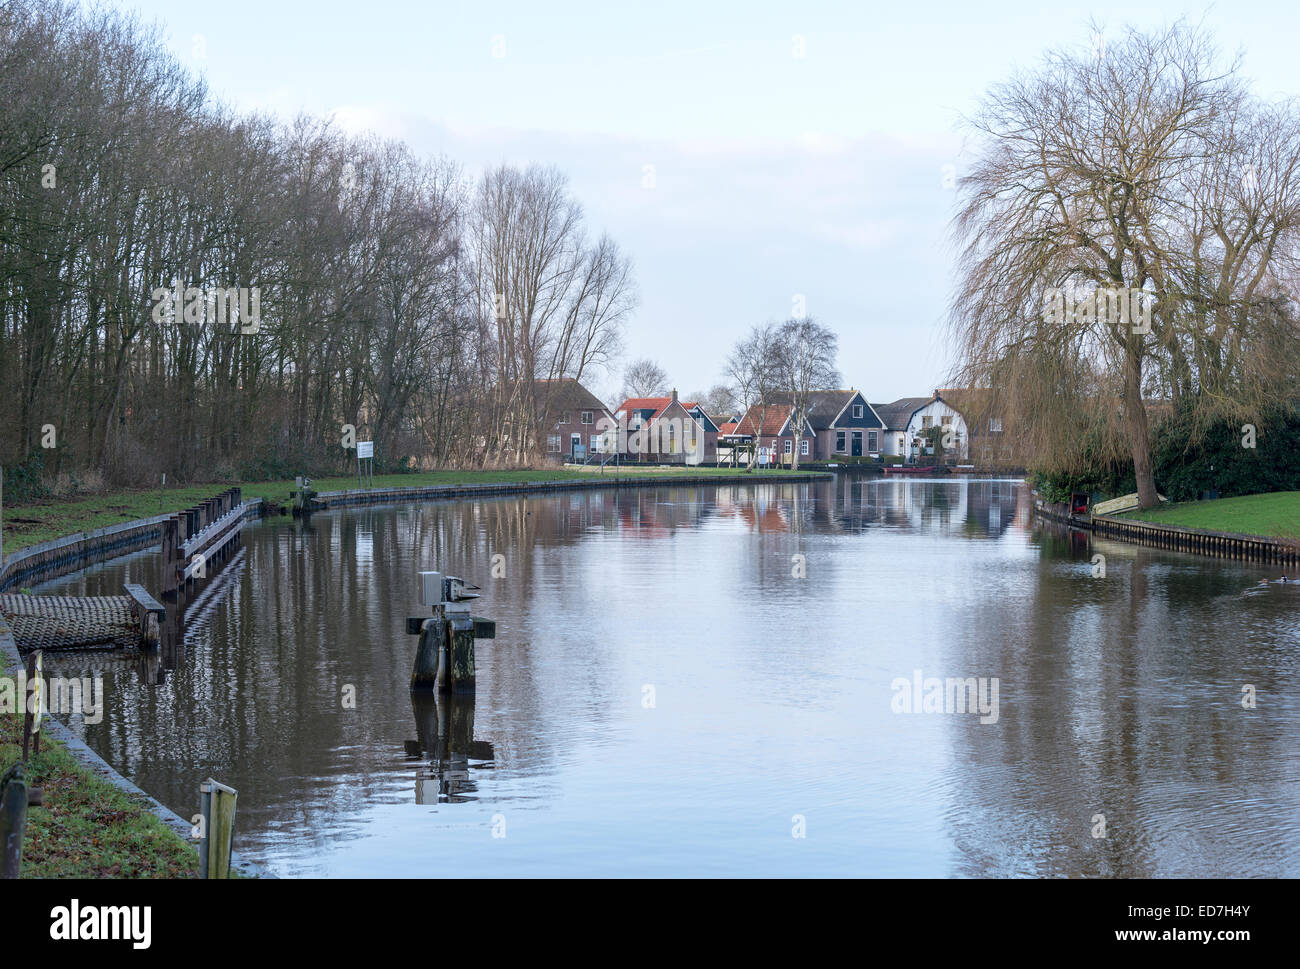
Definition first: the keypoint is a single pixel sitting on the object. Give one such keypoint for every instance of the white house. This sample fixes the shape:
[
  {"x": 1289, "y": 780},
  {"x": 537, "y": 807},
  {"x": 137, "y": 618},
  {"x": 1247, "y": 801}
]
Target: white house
[
  {"x": 937, "y": 413},
  {"x": 907, "y": 418}
]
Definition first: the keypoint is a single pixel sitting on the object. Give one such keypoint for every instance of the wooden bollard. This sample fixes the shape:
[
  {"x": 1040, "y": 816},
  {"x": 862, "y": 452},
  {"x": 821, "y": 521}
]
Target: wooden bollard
[
  {"x": 171, "y": 530},
  {"x": 32, "y": 718},
  {"x": 13, "y": 821},
  {"x": 218, "y": 816},
  {"x": 460, "y": 637}
]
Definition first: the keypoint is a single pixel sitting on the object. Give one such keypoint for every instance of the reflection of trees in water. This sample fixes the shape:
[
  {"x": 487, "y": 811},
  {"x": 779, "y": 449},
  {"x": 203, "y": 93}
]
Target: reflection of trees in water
[{"x": 1120, "y": 697}]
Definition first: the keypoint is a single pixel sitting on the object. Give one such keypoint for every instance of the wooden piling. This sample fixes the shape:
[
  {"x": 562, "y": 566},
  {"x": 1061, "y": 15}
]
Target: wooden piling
[
  {"x": 218, "y": 809},
  {"x": 13, "y": 822}
]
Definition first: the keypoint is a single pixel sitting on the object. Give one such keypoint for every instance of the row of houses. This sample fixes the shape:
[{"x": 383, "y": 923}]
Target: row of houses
[{"x": 837, "y": 426}]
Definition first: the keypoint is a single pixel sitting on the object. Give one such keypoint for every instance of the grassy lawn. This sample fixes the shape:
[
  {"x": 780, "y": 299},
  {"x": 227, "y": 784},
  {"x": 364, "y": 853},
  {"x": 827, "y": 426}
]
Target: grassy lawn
[
  {"x": 1274, "y": 515},
  {"x": 41, "y": 521},
  {"x": 87, "y": 828}
]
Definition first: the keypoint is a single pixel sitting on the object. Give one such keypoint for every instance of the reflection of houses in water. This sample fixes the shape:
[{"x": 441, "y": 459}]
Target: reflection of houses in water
[
  {"x": 444, "y": 727},
  {"x": 978, "y": 507}
]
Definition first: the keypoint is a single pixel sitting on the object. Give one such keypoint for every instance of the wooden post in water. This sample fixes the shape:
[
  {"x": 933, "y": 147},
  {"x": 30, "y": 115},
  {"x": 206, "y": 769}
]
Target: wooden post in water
[
  {"x": 32, "y": 717},
  {"x": 218, "y": 815},
  {"x": 460, "y": 649},
  {"x": 171, "y": 530}
]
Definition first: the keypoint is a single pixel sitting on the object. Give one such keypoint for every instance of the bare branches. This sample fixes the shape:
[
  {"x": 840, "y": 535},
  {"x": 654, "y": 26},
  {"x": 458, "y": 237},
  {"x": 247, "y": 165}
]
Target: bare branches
[{"x": 1122, "y": 171}]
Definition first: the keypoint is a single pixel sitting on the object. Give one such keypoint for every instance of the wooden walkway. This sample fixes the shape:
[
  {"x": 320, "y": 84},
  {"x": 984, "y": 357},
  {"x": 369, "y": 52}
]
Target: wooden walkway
[{"x": 71, "y": 622}]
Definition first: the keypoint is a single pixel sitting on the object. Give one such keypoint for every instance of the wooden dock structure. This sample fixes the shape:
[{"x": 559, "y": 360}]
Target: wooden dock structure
[
  {"x": 200, "y": 539},
  {"x": 1251, "y": 548}
]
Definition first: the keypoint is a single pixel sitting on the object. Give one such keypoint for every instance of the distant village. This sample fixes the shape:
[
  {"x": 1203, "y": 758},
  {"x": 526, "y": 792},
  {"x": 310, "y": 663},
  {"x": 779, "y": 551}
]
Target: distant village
[{"x": 824, "y": 427}]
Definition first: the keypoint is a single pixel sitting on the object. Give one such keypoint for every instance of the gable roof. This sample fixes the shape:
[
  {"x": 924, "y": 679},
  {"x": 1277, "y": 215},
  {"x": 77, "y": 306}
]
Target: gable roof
[
  {"x": 654, "y": 404},
  {"x": 825, "y": 407},
  {"x": 566, "y": 394},
  {"x": 657, "y": 406},
  {"x": 896, "y": 416},
  {"x": 773, "y": 420},
  {"x": 701, "y": 415}
]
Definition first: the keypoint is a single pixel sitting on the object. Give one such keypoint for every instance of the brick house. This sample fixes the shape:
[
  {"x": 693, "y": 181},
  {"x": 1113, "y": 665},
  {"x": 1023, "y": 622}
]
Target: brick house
[
  {"x": 666, "y": 430},
  {"x": 843, "y": 425},
  {"x": 573, "y": 419}
]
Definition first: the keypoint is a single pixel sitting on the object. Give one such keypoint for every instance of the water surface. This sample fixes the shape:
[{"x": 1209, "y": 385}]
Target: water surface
[{"x": 673, "y": 690}]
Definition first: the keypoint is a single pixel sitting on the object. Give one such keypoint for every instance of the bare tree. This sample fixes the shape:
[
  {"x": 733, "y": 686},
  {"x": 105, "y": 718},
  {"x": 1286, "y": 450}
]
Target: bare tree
[
  {"x": 719, "y": 400},
  {"x": 807, "y": 363},
  {"x": 755, "y": 368},
  {"x": 644, "y": 378},
  {"x": 1110, "y": 254}
]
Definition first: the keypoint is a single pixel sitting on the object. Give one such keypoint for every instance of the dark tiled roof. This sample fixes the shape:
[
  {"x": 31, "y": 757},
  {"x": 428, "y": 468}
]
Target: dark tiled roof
[
  {"x": 897, "y": 414},
  {"x": 566, "y": 394},
  {"x": 823, "y": 405}
]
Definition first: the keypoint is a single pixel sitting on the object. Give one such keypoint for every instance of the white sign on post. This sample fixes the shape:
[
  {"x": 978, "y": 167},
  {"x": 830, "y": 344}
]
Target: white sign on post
[{"x": 365, "y": 449}]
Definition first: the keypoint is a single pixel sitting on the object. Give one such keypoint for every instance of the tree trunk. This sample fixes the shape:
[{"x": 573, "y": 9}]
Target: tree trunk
[{"x": 1139, "y": 430}]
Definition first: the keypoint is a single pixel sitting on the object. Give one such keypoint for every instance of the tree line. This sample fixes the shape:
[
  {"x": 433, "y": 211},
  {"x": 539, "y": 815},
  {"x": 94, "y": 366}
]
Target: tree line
[{"x": 190, "y": 290}]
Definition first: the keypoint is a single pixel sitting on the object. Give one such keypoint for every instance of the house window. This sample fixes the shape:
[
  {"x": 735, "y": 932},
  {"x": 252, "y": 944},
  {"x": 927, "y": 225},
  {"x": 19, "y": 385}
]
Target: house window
[
  {"x": 588, "y": 417},
  {"x": 857, "y": 410},
  {"x": 927, "y": 421},
  {"x": 598, "y": 442},
  {"x": 839, "y": 441},
  {"x": 553, "y": 443},
  {"x": 789, "y": 447},
  {"x": 995, "y": 425},
  {"x": 564, "y": 418},
  {"x": 873, "y": 441},
  {"x": 803, "y": 446},
  {"x": 947, "y": 420}
]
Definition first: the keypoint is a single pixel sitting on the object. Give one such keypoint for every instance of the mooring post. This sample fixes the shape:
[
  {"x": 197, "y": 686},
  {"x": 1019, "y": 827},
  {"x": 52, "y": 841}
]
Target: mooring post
[
  {"x": 460, "y": 643},
  {"x": 171, "y": 530},
  {"x": 217, "y": 833},
  {"x": 34, "y": 707},
  {"x": 13, "y": 821},
  {"x": 444, "y": 660}
]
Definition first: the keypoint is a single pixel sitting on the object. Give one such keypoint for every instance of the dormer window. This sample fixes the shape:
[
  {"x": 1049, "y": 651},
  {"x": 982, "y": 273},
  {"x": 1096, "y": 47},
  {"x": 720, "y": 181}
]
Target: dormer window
[{"x": 857, "y": 411}]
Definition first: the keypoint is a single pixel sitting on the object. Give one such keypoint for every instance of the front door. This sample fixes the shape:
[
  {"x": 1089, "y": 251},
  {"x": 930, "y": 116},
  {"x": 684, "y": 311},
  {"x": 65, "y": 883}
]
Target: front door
[{"x": 857, "y": 444}]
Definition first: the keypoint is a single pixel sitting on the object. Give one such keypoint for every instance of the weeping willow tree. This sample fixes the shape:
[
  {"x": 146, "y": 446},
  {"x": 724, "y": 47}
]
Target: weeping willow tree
[{"x": 1127, "y": 243}]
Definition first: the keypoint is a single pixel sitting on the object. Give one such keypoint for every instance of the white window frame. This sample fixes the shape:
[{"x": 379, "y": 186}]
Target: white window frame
[
  {"x": 789, "y": 447},
  {"x": 858, "y": 411},
  {"x": 553, "y": 443},
  {"x": 588, "y": 417},
  {"x": 803, "y": 447},
  {"x": 995, "y": 425}
]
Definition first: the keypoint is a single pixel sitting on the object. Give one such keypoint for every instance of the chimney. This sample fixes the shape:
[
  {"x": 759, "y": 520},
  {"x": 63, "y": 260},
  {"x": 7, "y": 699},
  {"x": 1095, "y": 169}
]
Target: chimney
[{"x": 674, "y": 395}]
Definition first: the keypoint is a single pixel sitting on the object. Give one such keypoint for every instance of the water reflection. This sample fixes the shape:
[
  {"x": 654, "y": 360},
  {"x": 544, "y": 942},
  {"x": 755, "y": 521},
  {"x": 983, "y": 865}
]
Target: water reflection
[
  {"x": 769, "y": 694},
  {"x": 445, "y": 734}
]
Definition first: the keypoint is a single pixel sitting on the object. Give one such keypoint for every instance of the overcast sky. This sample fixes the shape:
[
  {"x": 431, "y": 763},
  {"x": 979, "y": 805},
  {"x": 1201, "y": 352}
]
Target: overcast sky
[{"x": 798, "y": 149}]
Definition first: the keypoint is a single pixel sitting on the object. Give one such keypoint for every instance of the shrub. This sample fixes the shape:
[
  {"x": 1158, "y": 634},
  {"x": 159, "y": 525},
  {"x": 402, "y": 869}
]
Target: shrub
[{"x": 25, "y": 482}]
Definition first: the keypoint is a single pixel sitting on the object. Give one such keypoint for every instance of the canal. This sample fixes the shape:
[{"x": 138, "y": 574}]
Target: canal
[{"x": 716, "y": 680}]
